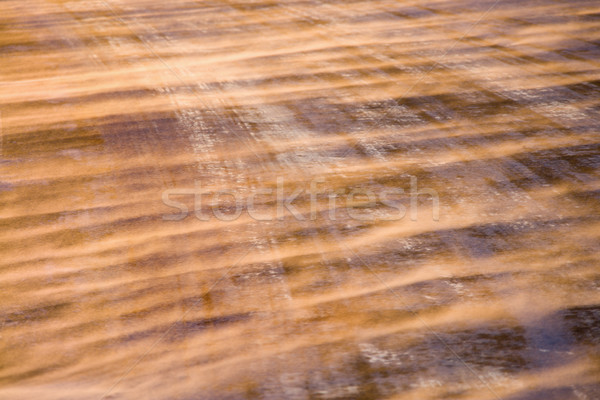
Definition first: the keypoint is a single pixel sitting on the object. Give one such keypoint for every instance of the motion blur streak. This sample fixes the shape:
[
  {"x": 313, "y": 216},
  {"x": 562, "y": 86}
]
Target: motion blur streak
[{"x": 106, "y": 105}]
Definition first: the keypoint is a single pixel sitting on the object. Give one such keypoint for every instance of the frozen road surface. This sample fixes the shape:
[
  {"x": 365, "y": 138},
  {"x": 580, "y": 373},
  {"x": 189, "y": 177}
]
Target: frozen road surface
[{"x": 300, "y": 199}]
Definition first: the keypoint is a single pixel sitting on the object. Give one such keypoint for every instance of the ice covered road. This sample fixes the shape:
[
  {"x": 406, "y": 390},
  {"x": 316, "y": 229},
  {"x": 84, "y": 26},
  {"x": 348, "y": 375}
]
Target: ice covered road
[{"x": 300, "y": 199}]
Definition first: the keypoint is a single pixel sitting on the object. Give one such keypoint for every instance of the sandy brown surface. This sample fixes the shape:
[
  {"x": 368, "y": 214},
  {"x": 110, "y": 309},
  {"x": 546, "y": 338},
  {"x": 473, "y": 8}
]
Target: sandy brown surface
[{"x": 493, "y": 107}]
